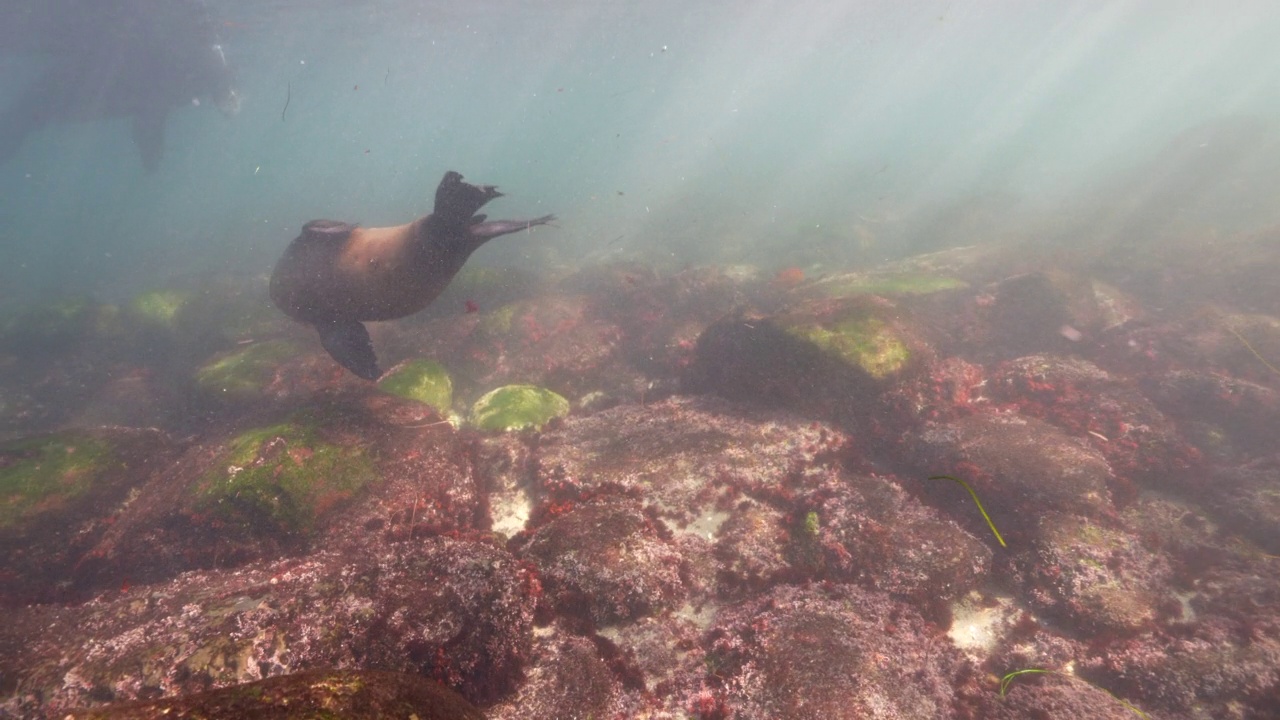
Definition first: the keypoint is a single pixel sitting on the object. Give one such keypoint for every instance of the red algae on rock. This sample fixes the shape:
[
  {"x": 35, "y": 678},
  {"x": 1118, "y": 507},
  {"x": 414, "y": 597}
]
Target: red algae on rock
[
  {"x": 831, "y": 651},
  {"x": 351, "y": 695},
  {"x": 566, "y": 679},
  {"x": 686, "y": 456},
  {"x": 1141, "y": 445},
  {"x": 1018, "y": 465},
  {"x": 1100, "y": 577},
  {"x": 606, "y": 560},
  {"x": 866, "y": 529},
  {"x": 458, "y": 612}
]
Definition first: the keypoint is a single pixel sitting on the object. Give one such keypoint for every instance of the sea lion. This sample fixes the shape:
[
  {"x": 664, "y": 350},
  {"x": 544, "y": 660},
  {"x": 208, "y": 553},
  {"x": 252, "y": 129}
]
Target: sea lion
[
  {"x": 335, "y": 276},
  {"x": 135, "y": 59}
]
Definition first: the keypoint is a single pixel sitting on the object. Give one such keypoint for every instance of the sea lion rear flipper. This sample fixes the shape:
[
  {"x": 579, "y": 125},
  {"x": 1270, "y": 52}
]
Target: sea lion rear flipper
[
  {"x": 457, "y": 201},
  {"x": 347, "y": 341}
]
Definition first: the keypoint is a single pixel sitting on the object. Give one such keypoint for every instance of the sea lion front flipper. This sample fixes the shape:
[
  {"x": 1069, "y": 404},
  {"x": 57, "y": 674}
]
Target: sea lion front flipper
[
  {"x": 347, "y": 341},
  {"x": 495, "y": 228}
]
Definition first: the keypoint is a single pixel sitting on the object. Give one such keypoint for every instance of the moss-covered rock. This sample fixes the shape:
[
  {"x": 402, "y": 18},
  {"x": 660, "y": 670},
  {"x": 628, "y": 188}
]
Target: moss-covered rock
[
  {"x": 158, "y": 308},
  {"x": 49, "y": 473},
  {"x": 513, "y": 407},
  {"x": 241, "y": 374},
  {"x": 859, "y": 338},
  {"x": 59, "y": 494},
  {"x": 893, "y": 283},
  {"x": 56, "y": 326},
  {"x": 426, "y": 381},
  {"x": 282, "y": 479},
  {"x": 498, "y": 323}
]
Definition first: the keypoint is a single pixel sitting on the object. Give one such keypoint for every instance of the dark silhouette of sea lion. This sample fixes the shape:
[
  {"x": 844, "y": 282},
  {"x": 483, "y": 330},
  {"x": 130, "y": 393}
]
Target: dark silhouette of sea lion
[
  {"x": 335, "y": 276},
  {"x": 136, "y": 59}
]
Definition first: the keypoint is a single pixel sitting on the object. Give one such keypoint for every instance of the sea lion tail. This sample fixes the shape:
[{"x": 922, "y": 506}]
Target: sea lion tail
[{"x": 458, "y": 201}]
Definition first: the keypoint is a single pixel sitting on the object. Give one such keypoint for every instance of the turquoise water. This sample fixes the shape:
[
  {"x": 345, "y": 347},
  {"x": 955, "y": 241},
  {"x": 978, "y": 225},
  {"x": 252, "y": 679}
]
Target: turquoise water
[{"x": 771, "y": 133}]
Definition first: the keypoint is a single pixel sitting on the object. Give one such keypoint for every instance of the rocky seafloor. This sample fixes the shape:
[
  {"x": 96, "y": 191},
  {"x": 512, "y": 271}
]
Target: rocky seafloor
[{"x": 629, "y": 493}]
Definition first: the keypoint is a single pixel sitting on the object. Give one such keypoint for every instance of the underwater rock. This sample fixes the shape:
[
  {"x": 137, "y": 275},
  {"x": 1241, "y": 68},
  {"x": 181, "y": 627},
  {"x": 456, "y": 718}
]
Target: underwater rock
[
  {"x": 1101, "y": 578},
  {"x": 1017, "y": 465},
  {"x": 754, "y": 552},
  {"x": 1245, "y": 413},
  {"x": 1245, "y": 346},
  {"x": 241, "y": 376},
  {"x": 425, "y": 381},
  {"x": 39, "y": 331},
  {"x": 659, "y": 657},
  {"x": 553, "y": 341},
  {"x": 1037, "y": 312},
  {"x": 458, "y": 612},
  {"x": 176, "y": 329},
  {"x": 828, "y": 359},
  {"x": 281, "y": 480},
  {"x": 858, "y": 336},
  {"x": 349, "y": 694},
  {"x": 1141, "y": 445},
  {"x": 129, "y": 399},
  {"x": 351, "y": 473},
  {"x": 831, "y": 651},
  {"x": 1246, "y": 498},
  {"x": 867, "y": 530},
  {"x": 158, "y": 308},
  {"x": 685, "y": 456},
  {"x": 782, "y": 511},
  {"x": 607, "y": 561},
  {"x": 566, "y": 679},
  {"x": 1055, "y": 695},
  {"x": 946, "y": 389},
  {"x": 659, "y": 316},
  {"x": 886, "y": 283},
  {"x": 515, "y": 407},
  {"x": 59, "y": 495},
  {"x": 1218, "y": 668}
]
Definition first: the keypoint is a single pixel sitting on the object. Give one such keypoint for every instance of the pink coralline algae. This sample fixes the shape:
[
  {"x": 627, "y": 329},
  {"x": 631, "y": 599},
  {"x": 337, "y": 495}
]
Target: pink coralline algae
[{"x": 830, "y": 651}]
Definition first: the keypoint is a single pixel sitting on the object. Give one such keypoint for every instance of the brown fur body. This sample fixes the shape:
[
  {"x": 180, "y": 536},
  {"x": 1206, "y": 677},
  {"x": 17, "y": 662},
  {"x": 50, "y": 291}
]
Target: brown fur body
[
  {"x": 335, "y": 275},
  {"x": 373, "y": 274}
]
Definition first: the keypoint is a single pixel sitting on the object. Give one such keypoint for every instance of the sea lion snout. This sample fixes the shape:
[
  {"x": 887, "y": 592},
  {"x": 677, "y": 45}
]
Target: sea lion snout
[{"x": 335, "y": 276}]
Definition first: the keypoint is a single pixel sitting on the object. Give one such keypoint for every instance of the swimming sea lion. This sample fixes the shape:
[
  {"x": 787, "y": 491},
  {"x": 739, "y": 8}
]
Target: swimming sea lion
[
  {"x": 134, "y": 59},
  {"x": 335, "y": 275}
]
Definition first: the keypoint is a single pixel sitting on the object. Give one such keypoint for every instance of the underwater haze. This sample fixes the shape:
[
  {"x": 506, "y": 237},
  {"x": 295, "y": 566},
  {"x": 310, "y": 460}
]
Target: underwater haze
[
  {"x": 774, "y": 134},
  {"x": 696, "y": 360}
]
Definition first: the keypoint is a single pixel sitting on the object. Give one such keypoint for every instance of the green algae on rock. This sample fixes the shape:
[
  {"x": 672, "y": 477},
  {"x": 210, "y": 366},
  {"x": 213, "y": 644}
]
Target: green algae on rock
[
  {"x": 158, "y": 308},
  {"x": 60, "y": 494},
  {"x": 426, "y": 381},
  {"x": 859, "y": 339},
  {"x": 839, "y": 286},
  {"x": 49, "y": 473},
  {"x": 244, "y": 372},
  {"x": 283, "y": 478},
  {"x": 513, "y": 407},
  {"x": 57, "y": 326}
]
